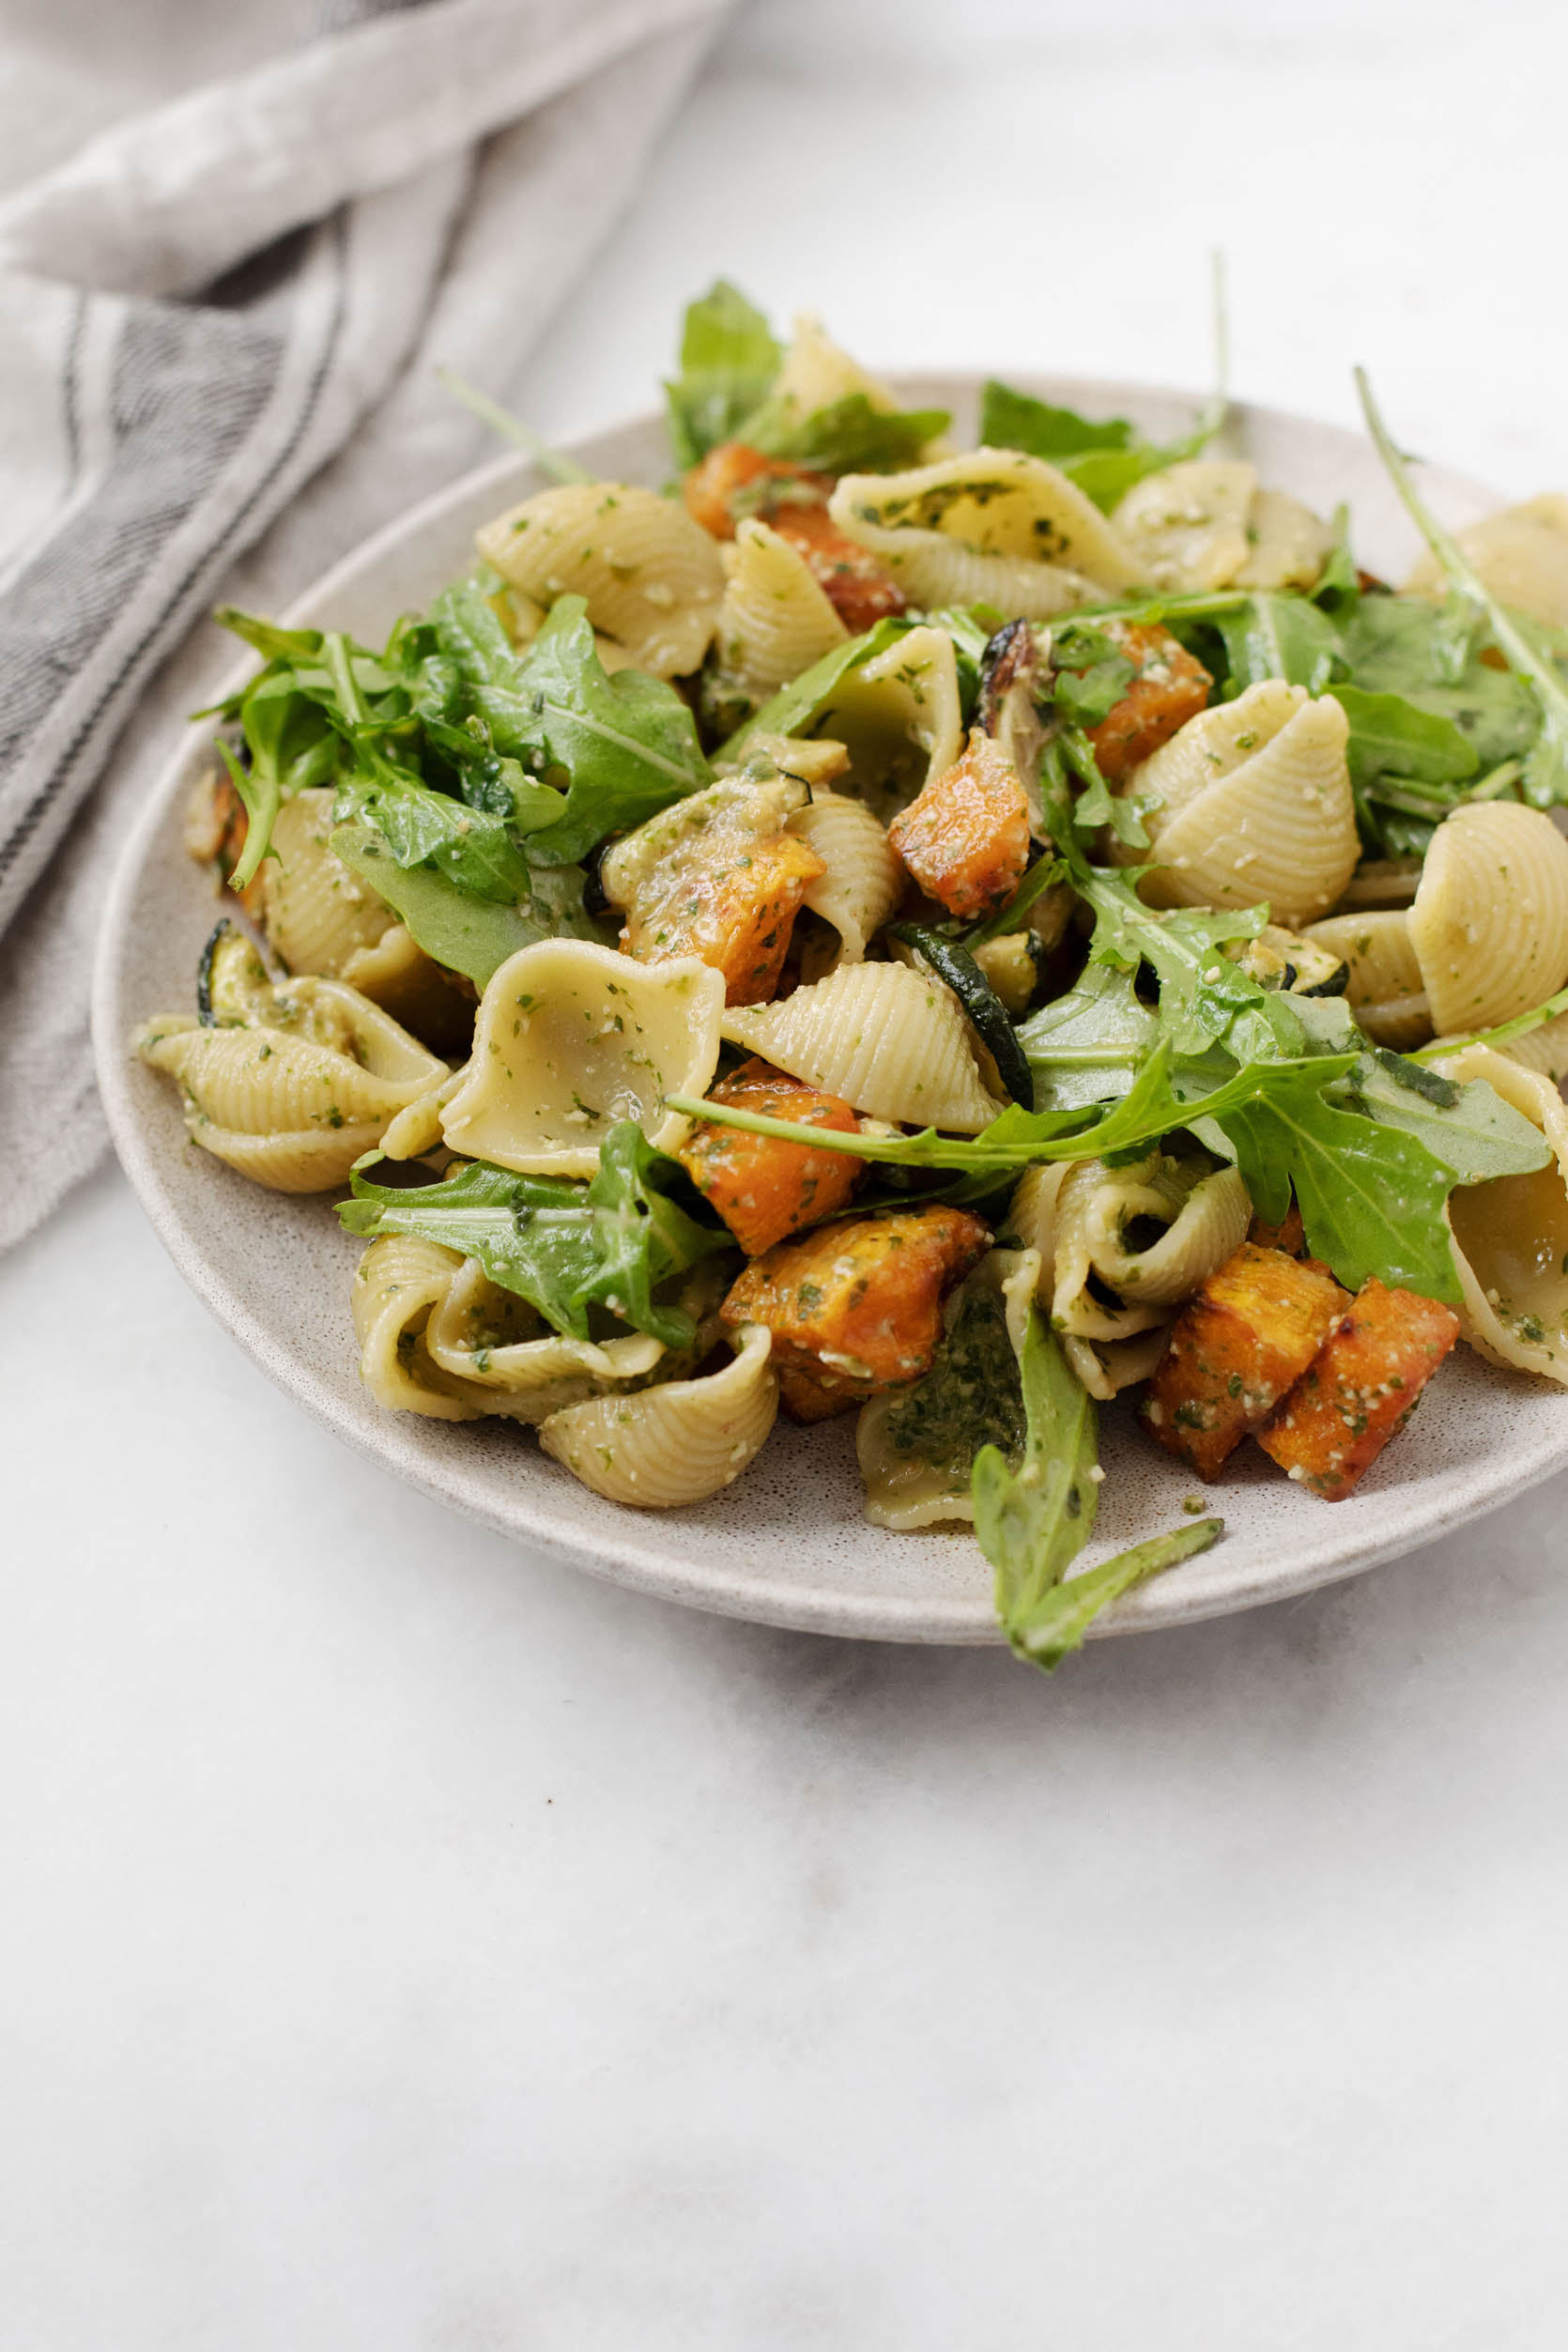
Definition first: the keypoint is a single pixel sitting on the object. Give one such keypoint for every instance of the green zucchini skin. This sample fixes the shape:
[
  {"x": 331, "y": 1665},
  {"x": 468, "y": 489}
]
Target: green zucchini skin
[
  {"x": 205, "y": 1013},
  {"x": 957, "y": 968}
]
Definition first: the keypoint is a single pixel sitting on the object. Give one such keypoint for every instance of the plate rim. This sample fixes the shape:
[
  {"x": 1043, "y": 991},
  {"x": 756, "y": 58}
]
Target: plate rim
[{"x": 946, "y": 1620}]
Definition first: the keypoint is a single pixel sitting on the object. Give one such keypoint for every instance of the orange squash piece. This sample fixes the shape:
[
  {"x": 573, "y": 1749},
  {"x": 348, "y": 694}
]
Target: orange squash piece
[
  {"x": 735, "y": 479},
  {"x": 856, "y": 1307},
  {"x": 861, "y": 590},
  {"x": 1170, "y": 687},
  {"x": 1359, "y": 1389},
  {"x": 965, "y": 834},
  {"x": 1243, "y": 1339},
  {"x": 1288, "y": 1235},
  {"x": 763, "y": 1187}
]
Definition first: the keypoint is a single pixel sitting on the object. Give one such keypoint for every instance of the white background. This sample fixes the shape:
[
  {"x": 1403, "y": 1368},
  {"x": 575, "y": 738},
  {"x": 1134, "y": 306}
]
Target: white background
[{"x": 408, "y": 1945}]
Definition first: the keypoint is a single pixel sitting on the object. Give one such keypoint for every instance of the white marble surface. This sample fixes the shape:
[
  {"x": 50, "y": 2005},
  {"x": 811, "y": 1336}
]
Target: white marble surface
[{"x": 408, "y": 1946}]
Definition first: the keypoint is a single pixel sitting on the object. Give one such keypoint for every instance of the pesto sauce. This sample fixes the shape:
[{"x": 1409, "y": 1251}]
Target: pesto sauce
[{"x": 971, "y": 1397}]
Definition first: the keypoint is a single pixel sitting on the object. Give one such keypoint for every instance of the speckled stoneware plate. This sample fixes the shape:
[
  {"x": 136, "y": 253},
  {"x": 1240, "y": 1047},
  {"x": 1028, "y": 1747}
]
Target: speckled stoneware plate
[{"x": 788, "y": 1545}]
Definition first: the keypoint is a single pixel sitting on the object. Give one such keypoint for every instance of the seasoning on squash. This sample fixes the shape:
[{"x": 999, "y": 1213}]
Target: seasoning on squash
[
  {"x": 735, "y": 482},
  {"x": 856, "y": 1307},
  {"x": 1242, "y": 1340},
  {"x": 1168, "y": 688},
  {"x": 965, "y": 835},
  {"x": 763, "y": 1187},
  {"x": 1359, "y": 1389}
]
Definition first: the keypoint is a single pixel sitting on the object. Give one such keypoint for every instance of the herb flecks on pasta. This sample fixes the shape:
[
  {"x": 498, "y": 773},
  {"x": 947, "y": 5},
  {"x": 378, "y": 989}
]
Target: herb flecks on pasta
[{"x": 951, "y": 935}]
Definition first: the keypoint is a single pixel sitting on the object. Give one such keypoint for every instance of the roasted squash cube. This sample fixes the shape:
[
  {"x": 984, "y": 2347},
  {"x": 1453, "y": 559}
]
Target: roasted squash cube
[
  {"x": 735, "y": 480},
  {"x": 1288, "y": 1235},
  {"x": 856, "y": 1307},
  {"x": 763, "y": 1187},
  {"x": 861, "y": 590},
  {"x": 1359, "y": 1389},
  {"x": 1242, "y": 1340},
  {"x": 1169, "y": 688},
  {"x": 965, "y": 835}
]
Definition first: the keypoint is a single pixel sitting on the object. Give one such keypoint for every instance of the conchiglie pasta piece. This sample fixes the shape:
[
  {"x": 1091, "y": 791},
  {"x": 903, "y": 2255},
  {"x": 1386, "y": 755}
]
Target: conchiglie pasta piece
[
  {"x": 292, "y": 1101},
  {"x": 1106, "y": 1366},
  {"x": 1288, "y": 543},
  {"x": 1511, "y": 1232},
  {"x": 1521, "y": 555},
  {"x": 1205, "y": 1216},
  {"x": 899, "y": 716},
  {"x": 1252, "y": 801},
  {"x": 889, "y": 1041},
  {"x": 815, "y": 373},
  {"x": 397, "y": 1283},
  {"x": 994, "y": 501},
  {"x": 1385, "y": 991},
  {"x": 315, "y": 913},
  {"x": 502, "y": 1350},
  {"x": 572, "y": 1036},
  {"x": 911, "y": 1481},
  {"x": 1543, "y": 1049},
  {"x": 676, "y": 1444},
  {"x": 864, "y": 879},
  {"x": 774, "y": 621},
  {"x": 651, "y": 577},
  {"x": 1489, "y": 923},
  {"x": 1186, "y": 524}
]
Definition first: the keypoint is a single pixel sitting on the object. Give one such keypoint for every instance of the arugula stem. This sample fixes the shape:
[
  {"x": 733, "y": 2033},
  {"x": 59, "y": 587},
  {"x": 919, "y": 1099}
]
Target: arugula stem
[
  {"x": 1520, "y": 1027},
  {"x": 512, "y": 429}
]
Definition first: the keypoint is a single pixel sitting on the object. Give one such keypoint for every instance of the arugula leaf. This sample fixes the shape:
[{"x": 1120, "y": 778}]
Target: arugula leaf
[
  {"x": 468, "y": 934},
  {"x": 420, "y": 827},
  {"x": 1390, "y": 737},
  {"x": 562, "y": 1246},
  {"x": 1205, "y": 999},
  {"x": 729, "y": 360},
  {"x": 1339, "y": 583},
  {"x": 1469, "y": 1130},
  {"x": 849, "y": 435},
  {"x": 794, "y": 706},
  {"x": 1275, "y": 636},
  {"x": 1083, "y": 1046},
  {"x": 1546, "y": 769},
  {"x": 626, "y": 744},
  {"x": 1105, "y": 460},
  {"x": 1504, "y": 1033},
  {"x": 1032, "y": 1520},
  {"x": 1370, "y": 1195}
]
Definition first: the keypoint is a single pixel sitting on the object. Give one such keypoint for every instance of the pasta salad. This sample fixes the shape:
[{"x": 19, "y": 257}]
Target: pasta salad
[{"x": 955, "y": 937}]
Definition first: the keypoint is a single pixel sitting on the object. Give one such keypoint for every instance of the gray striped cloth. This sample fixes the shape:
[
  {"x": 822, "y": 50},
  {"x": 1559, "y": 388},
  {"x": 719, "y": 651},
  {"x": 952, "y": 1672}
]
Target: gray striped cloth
[{"x": 207, "y": 307}]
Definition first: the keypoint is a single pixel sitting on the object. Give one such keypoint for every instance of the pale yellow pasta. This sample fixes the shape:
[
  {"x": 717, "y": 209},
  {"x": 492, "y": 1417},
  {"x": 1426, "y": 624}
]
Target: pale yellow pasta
[
  {"x": 995, "y": 503},
  {"x": 864, "y": 881},
  {"x": 1186, "y": 524},
  {"x": 906, "y": 1488},
  {"x": 651, "y": 577},
  {"x": 1106, "y": 1366},
  {"x": 773, "y": 620},
  {"x": 418, "y": 1128},
  {"x": 1386, "y": 990},
  {"x": 899, "y": 717},
  {"x": 438, "y": 1337},
  {"x": 1543, "y": 1049},
  {"x": 1205, "y": 1219},
  {"x": 815, "y": 373},
  {"x": 889, "y": 1041},
  {"x": 648, "y": 874},
  {"x": 1511, "y": 1232},
  {"x": 678, "y": 1443},
  {"x": 397, "y": 975},
  {"x": 1251, "y": 801},
  {"x": 316, "y": 913},
  {"x": 571, "y": 1038},
  {"x": 1286, "y": 543},
  {"x": 293, "y": 1092},
  {"x": 1520, "y": 554},
  {"x": 1489, "y": 923}
]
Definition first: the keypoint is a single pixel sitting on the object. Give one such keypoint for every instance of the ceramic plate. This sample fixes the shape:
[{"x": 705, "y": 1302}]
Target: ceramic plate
[{"x": 788, "y": 1545}]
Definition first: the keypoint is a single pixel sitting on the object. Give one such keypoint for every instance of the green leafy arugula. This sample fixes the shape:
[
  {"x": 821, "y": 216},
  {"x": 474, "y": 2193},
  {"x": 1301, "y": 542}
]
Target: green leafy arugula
[
  {"x": 460, "y": 931},
  {"x": 729, "y": 360},
  {"x": 1545, "y": 777},
  {"x": 849, "y": 435},
  {"x": 1033, "y": 1513},
  {"x": 565, "y": 1247},
  {"x": 1105, "y": 460}
]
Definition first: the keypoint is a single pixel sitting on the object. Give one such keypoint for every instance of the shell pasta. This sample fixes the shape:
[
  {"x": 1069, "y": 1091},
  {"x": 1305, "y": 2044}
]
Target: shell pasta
[{"x": 940, "y": 939}]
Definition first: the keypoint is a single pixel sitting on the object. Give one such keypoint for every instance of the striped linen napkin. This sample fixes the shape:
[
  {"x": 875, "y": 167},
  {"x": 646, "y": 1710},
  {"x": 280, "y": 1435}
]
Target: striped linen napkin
[{"x": 205, "y": 307}]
